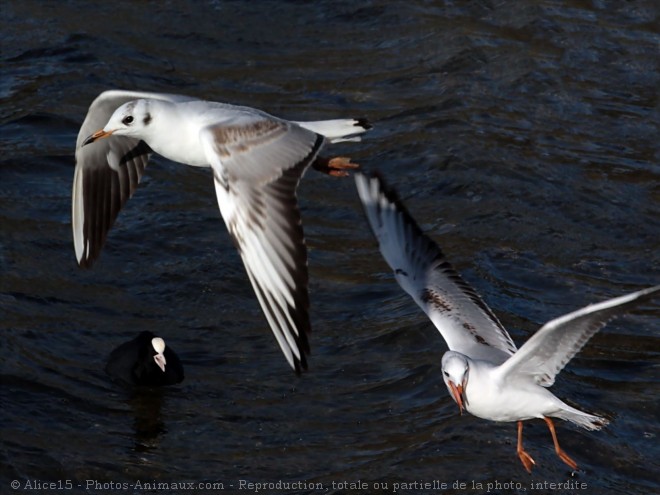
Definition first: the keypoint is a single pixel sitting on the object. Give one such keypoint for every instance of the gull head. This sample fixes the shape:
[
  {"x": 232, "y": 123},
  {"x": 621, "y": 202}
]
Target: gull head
[
  {"x": 159, "y": 347},
  {"x": 455, "y": 372},
  {"x": 131, "y": 119}
]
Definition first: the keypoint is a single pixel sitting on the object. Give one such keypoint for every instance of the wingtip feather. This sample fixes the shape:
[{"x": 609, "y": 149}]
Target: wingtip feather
[{"x": 364, "y": 123}]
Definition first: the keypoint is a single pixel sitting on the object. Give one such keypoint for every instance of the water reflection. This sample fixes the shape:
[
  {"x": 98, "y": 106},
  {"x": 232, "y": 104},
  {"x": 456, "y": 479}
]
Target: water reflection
[{"x": 148, "y": 424}]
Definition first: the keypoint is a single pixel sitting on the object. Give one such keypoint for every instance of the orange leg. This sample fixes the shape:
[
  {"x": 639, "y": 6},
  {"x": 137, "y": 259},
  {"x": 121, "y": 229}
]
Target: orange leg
[
  {"x": 562, "y": 455},
  {"x": 525, "y": 458},
  {"x": 336, "y": 167}
]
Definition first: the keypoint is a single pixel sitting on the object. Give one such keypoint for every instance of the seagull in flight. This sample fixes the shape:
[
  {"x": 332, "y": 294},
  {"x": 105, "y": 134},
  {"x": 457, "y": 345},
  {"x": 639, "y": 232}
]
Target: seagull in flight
[
  {"x": 257, "y": 161},
  {"x": 483, "y": 370}
]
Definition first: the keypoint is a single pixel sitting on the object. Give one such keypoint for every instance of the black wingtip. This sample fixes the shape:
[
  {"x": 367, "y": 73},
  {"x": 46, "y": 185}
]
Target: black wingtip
[
  {"x": 301, "y": 365},
  {"x": 364, "y": 123},
  {"x": 86, "y": 263},
  {"x": 303, "y": 347}
]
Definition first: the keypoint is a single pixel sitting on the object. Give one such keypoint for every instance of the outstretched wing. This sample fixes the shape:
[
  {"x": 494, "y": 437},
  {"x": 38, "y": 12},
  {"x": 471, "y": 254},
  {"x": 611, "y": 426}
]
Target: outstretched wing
[
  {"x": 546, "y": 353},
  {"x": 463, "y": 319},
  {"x": 257, "y": 163},
  {"x": 107, "y": 173}
]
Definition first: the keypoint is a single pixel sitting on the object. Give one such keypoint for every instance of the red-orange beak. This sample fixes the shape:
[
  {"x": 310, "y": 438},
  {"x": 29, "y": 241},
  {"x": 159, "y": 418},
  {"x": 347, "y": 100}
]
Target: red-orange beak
[
  {"x": 457, "y": 392},
  {"x": 97, "y": 135}
]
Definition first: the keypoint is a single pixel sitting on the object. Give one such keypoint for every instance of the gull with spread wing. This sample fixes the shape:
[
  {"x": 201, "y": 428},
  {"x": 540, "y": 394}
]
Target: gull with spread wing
[
  {"x": 483, "y": 370},
  {"x": 257, "y": 161}
]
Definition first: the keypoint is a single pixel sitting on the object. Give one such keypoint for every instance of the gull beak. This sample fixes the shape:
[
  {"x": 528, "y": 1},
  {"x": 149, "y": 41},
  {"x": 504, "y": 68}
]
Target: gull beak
[
  {"x": 457, "y": 392},
  {"x": 160, "y": 361},
  {"x": 97, "y": 135}
]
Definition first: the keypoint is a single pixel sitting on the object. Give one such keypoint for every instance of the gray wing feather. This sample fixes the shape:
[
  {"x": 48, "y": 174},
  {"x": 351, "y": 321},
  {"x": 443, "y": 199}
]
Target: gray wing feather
[
  {"x": 107, "y": 173},
  {"x": 546, "y": 353},
  {"x": 463, "y": 319},
  {"x": 257, "y": 166}
]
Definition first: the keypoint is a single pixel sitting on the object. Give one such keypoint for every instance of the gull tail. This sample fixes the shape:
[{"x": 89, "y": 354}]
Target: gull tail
[
  {"x": 583, "y": 419},
  {"x": 338, "y": 130}
]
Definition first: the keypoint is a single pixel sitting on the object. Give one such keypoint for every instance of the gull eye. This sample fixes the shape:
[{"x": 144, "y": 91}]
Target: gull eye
[{"x": 127, "y": 120}]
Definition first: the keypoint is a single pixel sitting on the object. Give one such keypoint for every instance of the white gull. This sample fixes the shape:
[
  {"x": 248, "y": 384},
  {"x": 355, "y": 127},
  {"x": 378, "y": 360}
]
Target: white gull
[
  {"x": 257, "y": 162},
  {"x": 483, "y": 370}
]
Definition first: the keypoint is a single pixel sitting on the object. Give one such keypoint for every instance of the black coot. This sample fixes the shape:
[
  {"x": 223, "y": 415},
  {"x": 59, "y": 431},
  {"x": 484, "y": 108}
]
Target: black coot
[{"x": 145, "y": 361}]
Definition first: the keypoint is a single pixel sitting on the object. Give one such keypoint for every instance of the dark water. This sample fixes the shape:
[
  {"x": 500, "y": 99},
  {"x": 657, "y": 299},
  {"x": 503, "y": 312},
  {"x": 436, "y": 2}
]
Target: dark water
[{"x": 524, "y": 138}]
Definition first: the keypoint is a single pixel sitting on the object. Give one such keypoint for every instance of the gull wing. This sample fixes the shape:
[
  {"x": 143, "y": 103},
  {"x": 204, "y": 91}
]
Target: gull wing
[
  {"x": 257, "y": 163},
  {"x": 546, "y": 353},
  {"x": 463, "y": 319},
  {"x": 107, "y": 173}
]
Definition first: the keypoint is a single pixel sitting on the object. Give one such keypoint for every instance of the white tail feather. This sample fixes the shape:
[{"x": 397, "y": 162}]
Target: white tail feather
[
  {"x": 583, "y": 419},
  {"x": 338, "y": 130}
]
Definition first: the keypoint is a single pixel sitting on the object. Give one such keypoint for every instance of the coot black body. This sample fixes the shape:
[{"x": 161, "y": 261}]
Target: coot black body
[{"x": 145, "y": 361}]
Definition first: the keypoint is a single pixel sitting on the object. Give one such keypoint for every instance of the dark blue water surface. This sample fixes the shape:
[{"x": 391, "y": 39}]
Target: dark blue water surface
[{"x": 522, "y": 135}]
